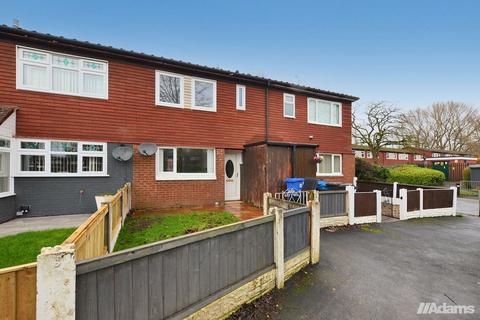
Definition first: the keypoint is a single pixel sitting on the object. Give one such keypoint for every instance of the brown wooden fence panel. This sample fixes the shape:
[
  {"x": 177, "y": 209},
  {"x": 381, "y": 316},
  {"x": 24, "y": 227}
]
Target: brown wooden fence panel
[
  {"x": 369, "y": 186},
  {"x": 413, "y": 200},
  {"x": 365, "y": 204},
  {"x": 435, "y": 199},
  {"x": 18, "y": 292}
]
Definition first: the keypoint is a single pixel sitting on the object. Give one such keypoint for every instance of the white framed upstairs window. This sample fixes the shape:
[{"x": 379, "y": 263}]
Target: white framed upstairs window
[
  {"x": 324, "y": 112},
  {"x": 418, "y": 157},
  {"x": 241, "y": 97},
  {"x": 331, "y": 165},
  {"x": 6, "y": 177},
  {"x": 359, "y": 154},
  {"x": 47, "y": 71},
  {"x": 288, "y": 105},
  {"x": 181, "y": 163},
  {"x": 204, "y": 94},
  {"x": 169, "y": 89},
  {"x": 436, "y": 155},
  {"x": 391, "y": 156},
  {"x": 369, "y": 155},
  {"x": 59, "y": 158}
]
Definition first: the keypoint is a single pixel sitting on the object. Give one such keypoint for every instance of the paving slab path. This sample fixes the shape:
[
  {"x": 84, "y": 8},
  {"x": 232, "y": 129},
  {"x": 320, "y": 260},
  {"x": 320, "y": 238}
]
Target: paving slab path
[{"x": 24, "y": 224}]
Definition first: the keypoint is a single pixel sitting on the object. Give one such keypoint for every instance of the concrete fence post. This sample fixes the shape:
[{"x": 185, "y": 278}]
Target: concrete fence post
[
  {"x": 455, "y": 196},
  {"x": 129, "y": 196},
  {"x": 403, "y": 204},
  {"x": 315, "y": 230},
  {"x": 379, "y": 205},
  {"x": 278, "y": 243},
  {"x": 421, "y": 201},
  {"x": 56, "y": 274},
  {"x": 355, "y": 180},
  {"x": 350, "y": 203},
  {"x": 394, "y": 190},
  {"x": 266, "y": 195}
]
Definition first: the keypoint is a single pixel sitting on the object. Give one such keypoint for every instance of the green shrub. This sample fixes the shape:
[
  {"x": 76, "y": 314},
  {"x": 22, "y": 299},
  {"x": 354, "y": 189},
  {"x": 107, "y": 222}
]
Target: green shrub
[
  {"x": 412, "y": 174},
  {"x": 466, "y": 174},
  {"x": 370, "y": 172}
]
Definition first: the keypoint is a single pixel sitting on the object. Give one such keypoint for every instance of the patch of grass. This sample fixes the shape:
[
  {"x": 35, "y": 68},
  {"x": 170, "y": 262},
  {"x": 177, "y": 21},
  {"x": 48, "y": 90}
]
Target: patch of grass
[
  {"x": 468, "y": 193},
  {"x": 370, "y": 228},
  {"x": 141, "y": 230},
  {"x": 24, "y": 247}
]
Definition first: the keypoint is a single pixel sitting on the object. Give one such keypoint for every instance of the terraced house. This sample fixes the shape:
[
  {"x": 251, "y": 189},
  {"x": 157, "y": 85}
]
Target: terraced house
[{"x": 68, "y": 105}]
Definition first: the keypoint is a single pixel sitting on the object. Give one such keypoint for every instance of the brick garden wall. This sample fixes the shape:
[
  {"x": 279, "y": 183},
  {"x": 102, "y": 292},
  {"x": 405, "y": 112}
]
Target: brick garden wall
[{"x": 150, "y": 193}]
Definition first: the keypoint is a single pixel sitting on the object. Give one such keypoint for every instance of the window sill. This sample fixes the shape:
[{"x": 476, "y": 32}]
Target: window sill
[
  {"x": 6, "y": 194},
  {"x": 26, "y": 175},
  {"x": 185, "y": 177},
  {"x": 289, "y": 117},
  {"x": 329, "y": 174},
  {"x": 212, "y": 109},
  {"x": 25, "y": 88},
  {"x": 325, "y": 124},
  {"x": 167, "y": 105}
]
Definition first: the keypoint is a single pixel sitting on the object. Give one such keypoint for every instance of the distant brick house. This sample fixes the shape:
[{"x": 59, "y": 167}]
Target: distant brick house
[
  {"x": 419, "y": 156},
  {"x": 75, "y": 102}
]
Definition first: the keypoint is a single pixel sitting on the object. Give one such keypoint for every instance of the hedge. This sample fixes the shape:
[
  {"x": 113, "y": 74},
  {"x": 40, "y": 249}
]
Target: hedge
[
  {"x": 366, "y": 171},
  {"x": 411, "y": 174}
]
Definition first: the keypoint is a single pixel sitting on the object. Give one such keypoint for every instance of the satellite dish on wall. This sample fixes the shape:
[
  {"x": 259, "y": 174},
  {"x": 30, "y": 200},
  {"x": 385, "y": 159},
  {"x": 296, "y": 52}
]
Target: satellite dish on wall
[
  {"x": 147, "y": 149},
  {"x": 122, "y": 153}
]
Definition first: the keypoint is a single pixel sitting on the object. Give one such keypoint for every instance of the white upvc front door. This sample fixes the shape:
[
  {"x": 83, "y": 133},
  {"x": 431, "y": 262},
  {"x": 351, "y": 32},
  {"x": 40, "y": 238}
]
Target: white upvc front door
[{"x": 232, "y": 175}]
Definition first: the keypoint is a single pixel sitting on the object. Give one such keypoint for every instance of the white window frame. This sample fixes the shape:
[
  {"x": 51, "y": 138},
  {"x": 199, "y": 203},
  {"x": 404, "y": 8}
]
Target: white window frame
[
  {"x": 167, "y": 176},
  {"x": 359, "y": 154},
  {"x": 243, "y": 95},
  {"x": 11, "y": 185},
  {"x": 333, "y": 173},
  {"x": 48, "y": 64},
  {"x": 47, "y": 153},
  {"x": 436, "y": 155},
  {"x": 285, "y": 95},
  {"x": 418, "y": 157},
  {"x": 391, "y": 156},
  {"x": 403, "y": 156},
  {"x": 195, "y": 107},
  {"x": 340, "y": 118},
  {"x": 158, "y": 73},
  {"x": 369, "y": 155}
]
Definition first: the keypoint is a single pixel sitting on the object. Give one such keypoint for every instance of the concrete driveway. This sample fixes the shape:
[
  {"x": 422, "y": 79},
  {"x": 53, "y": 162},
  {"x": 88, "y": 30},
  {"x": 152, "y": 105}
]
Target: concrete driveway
[
  {"x": 467, "y": 206},
  {"x": 385, "y": 271}
]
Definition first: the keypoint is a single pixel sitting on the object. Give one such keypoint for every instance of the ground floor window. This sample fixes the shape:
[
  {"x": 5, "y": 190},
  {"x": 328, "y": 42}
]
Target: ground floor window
[
  {"x": 331, "y": 164},
  {"x": 181, "y": 163},
  {"x": 61, "y": 158},
  {"x": 5, "y": 175}
]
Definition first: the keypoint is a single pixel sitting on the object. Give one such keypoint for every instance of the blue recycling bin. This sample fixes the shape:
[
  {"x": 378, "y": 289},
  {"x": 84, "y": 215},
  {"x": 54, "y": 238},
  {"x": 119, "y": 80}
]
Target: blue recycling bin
[
  {"x": 322, "y": 185},
  {"x": 294, "y": 183}
]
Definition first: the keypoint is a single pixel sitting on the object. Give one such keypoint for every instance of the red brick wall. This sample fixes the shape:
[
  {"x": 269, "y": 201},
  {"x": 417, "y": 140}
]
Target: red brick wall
[{"x": 150, "y": 193}]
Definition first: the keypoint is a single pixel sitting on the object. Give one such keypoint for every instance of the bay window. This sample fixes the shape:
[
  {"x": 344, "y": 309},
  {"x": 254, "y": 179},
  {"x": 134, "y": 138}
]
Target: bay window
[
  {"x": 185, "y": 163},
  {"x": 324, "y": 112},
  {"x": 331, "y": 165},
  {"x": 204, "y": 94},
  {"x": 47, "y": 71},
  {"x": 61, "y": 158}
]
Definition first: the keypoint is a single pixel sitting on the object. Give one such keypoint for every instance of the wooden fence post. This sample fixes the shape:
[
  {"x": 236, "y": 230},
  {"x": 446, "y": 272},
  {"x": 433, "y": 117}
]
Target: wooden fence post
[
  {"x": 379, "y": 205},
  {"x": 266, "y": 195},
  {"x": 56, "y": 274},
  {"x": 403, "y": 204},
  {"x": 420, "y": 197},
  {"x": 315, "y": 229},
  {"x": 455, "y": 197},
  {"x": 350, "y": 203},
  {"x": 110, "y": 225},
  {"x": 278, "y": 243},
  {"x": 129, "y": 195}
]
